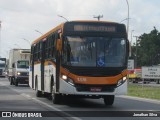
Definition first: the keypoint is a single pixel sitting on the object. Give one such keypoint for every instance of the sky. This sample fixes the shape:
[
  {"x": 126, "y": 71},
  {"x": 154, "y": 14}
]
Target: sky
[{"x": 21, "y": 19}]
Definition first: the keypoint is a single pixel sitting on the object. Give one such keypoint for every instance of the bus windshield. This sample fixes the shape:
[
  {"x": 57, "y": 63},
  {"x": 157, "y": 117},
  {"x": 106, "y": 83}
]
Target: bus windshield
[
  {"x": 23, "y": 64},
  {"x": 94, "y": 51}
]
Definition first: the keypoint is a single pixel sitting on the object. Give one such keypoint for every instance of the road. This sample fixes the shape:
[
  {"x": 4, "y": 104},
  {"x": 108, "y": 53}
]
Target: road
[{"x": 22, "y": 98}]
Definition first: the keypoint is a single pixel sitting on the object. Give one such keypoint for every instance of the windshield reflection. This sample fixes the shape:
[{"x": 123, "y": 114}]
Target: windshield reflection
[{"x": 94, "y": 51}]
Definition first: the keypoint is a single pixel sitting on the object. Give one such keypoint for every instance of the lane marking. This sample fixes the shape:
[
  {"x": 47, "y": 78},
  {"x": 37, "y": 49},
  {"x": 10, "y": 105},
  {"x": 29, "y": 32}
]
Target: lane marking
[
  {"x": 56, "y": 109},
  {"x": 69, "y": 116}
]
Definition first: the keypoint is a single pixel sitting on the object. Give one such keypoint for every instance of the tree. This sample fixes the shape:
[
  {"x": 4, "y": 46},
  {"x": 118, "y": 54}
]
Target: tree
[{"x": 148, "y": 49}]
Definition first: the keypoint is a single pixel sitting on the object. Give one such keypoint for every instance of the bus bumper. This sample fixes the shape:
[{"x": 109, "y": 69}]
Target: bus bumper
[{"x": 66, "y": 88}]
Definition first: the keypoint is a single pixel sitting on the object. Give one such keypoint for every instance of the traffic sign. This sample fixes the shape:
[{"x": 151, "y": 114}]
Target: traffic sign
[
  {"x": 151, "y": 72},
  {"x": 130, "y": 64}
]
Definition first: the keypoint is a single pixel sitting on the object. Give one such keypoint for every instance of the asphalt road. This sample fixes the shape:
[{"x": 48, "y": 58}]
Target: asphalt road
[{"x": 22, "y": 99}]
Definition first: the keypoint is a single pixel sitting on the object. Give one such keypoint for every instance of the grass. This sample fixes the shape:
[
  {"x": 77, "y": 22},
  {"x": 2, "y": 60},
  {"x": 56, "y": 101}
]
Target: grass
[{"x": 144, "y": 91}]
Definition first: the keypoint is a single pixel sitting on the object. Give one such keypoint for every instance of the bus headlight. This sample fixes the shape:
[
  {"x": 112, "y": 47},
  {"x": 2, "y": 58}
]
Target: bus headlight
[
  {"x": 68, "y": 80},
  {"x": 64, "y": 77},
  {"x": 121, "y": 81},
  {"x": 124, "y": 78}
]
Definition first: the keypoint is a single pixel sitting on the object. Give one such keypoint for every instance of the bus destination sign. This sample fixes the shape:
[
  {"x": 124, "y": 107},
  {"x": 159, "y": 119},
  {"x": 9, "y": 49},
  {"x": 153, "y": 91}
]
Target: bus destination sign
[{"x": 94, "y": 28}]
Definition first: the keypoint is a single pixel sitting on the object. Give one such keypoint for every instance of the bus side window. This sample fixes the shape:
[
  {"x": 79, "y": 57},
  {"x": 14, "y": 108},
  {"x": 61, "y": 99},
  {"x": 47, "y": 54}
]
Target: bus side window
[
  {"x": 46, "y": 49},
  {"x": 50, "y": 48},
  {"x": 35, "y": 52},
  {"x": 38, "y": 51},
  {"x": 31, "y": 58},
  {"x": 53, "y": 46}
]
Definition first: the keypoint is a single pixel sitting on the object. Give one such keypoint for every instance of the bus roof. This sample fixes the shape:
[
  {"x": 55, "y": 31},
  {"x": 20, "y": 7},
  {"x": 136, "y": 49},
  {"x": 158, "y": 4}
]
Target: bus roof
[
  {"x": 62, "y": 24},
  {"x": 48, "y": 33}
]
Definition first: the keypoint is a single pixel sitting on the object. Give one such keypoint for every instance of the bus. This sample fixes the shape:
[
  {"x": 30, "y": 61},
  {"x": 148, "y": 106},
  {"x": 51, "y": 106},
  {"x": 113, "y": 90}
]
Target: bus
[{"x": 81, "y": 59}]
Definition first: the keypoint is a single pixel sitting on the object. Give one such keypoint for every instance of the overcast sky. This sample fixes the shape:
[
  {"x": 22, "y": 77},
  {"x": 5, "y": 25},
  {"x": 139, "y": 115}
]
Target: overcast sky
[{"x": 20, "y": 18}]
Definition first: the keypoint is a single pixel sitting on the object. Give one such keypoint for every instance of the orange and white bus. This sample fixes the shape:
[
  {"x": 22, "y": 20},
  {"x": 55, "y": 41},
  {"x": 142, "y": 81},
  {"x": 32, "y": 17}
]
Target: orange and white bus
[{"x": 81, "y": 58}]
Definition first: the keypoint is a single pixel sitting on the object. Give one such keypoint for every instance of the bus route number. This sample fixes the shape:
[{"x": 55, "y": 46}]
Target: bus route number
[{"x": 82, "y": 79}]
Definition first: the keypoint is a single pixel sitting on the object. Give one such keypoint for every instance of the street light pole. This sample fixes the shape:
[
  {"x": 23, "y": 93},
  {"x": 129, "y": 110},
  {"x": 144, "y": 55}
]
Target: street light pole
[
  {"x": 124, "y": 20},
  {"x": 39, "y": 32},
  {"x": 63, "y": 17},
  {"x": 27, "y": 41},
  {"x": 17, "y": 46},
  {"x": 128, "y": 17}
]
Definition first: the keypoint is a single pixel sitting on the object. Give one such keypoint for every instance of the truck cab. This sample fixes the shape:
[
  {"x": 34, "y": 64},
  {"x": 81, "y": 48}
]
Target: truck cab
[
  {"x": 2, "y": 68},
  {"x": 21, "y": 72}
]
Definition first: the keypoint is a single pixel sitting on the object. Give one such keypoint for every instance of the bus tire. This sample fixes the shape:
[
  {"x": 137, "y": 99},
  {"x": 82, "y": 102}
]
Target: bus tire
[
  {"x": 38, "y": 93},
  {"x": 56, "y": 98},
  {"x": 108, "y": 99}
]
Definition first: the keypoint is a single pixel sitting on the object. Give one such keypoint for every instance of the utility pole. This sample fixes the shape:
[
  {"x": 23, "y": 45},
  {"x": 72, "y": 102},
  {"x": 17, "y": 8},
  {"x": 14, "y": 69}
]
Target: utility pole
[
  {"x": 136, "y": 51},
  {"x": 131, "y": 36},
  {"x": 98, "y": 17}
]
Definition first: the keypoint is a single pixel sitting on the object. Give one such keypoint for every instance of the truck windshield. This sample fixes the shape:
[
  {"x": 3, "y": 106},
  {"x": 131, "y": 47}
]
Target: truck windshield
[
  {"x": 2, "y": 65},
  {"x": 94, "y": 51},
  {"x": 23, "y": 64}
]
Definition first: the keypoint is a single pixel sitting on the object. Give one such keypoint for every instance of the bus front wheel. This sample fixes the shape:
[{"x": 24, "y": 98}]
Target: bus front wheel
[
  {"x": 108, "y": 99},
  {"x": 56, "y": 98}
]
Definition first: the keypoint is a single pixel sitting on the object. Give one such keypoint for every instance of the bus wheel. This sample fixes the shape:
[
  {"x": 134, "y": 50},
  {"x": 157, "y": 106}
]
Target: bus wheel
[
  {"x": 56, "y": 98},
  {"x": 38, "y": 93},
  {"x": 108, "y": 99}
]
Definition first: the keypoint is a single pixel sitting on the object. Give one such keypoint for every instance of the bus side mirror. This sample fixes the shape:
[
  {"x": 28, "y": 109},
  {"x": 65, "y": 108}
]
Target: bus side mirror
[{"x": 59, "y": 45}]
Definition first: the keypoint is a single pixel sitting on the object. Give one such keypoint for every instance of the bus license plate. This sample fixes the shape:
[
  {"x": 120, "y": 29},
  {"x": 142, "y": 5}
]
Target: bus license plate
[{"x": 95, "y": 89}]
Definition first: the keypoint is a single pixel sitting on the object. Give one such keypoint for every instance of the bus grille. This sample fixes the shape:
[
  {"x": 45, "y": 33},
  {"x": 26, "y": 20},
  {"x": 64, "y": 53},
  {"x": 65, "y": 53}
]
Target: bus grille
[
  {"x": 95, "y": 72},
  {"x": 24, "y": 74}
]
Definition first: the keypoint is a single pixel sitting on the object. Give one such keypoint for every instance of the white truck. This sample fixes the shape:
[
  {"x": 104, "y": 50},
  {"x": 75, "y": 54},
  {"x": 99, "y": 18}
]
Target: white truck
[
  {"x": 18, "y": 69},
  {"x": 2, "y": 67}
]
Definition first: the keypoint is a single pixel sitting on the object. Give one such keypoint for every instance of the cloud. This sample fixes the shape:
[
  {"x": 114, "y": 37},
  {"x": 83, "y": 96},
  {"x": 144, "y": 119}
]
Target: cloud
[{"x": 20, "y": 18}]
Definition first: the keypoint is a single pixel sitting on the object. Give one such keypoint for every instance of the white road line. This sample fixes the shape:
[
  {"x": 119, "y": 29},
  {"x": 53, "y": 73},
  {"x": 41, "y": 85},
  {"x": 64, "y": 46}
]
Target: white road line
[
  {"x": 56, "y": 109},
  {"x": 50, "y": 106},
  {"x": 140, "y": 99},
  {"x": 26, "y": 95}
]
